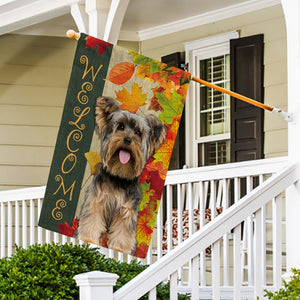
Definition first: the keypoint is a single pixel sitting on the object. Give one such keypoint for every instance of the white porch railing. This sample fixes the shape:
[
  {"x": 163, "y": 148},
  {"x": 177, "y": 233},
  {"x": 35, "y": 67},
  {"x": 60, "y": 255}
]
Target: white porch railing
[
  {"x": 253, "y": 205},
  {"x": 197, "y": 188}
]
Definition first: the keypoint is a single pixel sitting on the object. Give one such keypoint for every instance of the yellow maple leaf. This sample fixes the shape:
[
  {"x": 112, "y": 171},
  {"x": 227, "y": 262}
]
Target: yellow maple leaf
[
  {"x": 133, "y": 101},
  {"x": 93, "y": 158}
]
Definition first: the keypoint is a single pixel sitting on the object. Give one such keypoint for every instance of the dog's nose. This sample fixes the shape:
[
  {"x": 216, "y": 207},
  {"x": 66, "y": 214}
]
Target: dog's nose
[{"x": 127, "y": 141}]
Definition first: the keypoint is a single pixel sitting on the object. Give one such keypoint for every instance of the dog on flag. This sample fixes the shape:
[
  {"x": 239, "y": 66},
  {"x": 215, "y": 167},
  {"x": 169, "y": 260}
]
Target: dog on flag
[{"x": 111, "y": 204}]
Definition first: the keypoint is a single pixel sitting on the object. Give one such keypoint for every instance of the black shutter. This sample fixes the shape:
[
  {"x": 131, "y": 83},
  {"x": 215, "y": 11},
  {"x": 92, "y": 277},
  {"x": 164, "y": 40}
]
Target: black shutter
[
  {"x": 246, "y": 78},
  {"x": 178, "y": 155}
]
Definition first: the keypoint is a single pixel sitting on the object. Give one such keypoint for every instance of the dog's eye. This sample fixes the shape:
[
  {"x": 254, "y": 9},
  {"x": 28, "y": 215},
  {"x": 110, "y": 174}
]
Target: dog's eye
[
  {"x": 121, "y": 127},
  {"x": 138, "y": 132}
]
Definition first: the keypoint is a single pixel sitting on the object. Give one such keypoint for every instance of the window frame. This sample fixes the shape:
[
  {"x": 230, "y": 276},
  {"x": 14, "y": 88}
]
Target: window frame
[{"x": 196, "y": 51}]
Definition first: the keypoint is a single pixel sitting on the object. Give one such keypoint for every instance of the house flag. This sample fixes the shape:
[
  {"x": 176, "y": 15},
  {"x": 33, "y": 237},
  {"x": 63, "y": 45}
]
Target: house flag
[{"x": 115, "y": 141}]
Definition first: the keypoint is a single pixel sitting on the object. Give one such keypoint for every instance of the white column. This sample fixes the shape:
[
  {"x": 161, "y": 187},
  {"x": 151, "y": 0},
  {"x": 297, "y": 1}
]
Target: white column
[
  {"x": 98, "y": 11},
  {"x": 95, "y": 285},
  {"x": 292, "y": 17}
]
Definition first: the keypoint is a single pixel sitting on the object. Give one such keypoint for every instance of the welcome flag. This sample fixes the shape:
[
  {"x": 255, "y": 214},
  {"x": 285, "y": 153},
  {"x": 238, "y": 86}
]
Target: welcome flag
[{"x": 141, "y": 86}]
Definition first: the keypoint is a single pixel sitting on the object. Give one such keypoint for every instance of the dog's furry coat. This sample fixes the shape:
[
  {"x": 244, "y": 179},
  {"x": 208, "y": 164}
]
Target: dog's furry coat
[{"x": 111, "y": 205}]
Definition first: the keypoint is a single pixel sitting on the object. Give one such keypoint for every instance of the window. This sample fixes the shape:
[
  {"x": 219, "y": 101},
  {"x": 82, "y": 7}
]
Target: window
[{"x": 208, "y": 125}]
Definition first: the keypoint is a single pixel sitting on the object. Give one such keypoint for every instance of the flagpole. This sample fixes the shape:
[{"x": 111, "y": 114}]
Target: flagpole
[{"x": 285, "y": 115}]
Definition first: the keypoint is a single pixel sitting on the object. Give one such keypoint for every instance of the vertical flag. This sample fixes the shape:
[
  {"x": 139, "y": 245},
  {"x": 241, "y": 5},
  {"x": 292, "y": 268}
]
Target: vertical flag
[{"x": 141, "y": 86}]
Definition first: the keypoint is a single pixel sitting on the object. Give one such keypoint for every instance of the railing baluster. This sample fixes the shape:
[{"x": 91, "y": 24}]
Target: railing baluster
[
  {"x": 148, "y": 257},
  {"x": 202, "y": 219},
  {"x": 258, "y": 288},
  {"x": 225, "y": 237},
  {"x": 215, "y": 261},
  {"x": 250, "y": 249},
  {"x": 32, "y": 222},
  {"x": 173, "y": 286},
  {"x": 40, "y": 230},
  {"x": 277, "y": 240},
  {"x": 237, "y": 267},
  {"x": 194, "y": 282},
  {"x": 179, "y": 228},
  {"x": 17, "y": 223},
  {"x": 159, "y": 231},
  {"x": 24, "y": 224},
  {"x": 169, "y": 217},
  {"x": 2, "y": 224},
  {"x": 9, "y": 229},
  {"x": 152, "y": 294}
]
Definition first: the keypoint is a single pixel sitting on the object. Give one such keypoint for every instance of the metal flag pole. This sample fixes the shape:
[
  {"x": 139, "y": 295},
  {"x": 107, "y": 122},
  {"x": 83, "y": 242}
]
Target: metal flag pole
[{"x": 285, "y": 115}]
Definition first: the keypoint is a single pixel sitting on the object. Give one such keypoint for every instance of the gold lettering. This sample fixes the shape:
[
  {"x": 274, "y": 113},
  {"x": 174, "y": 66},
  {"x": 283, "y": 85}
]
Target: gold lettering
[
  {"x": 76, "y": 112},
  {"x": 86, "y": 87},
  {"x": 56, "y": 213},
  {"x": 59, "y": 178},
  {"x": 71, "y": 157},
  {"x": 85, "y": 60},
  {"x": 77, "y": 136}
]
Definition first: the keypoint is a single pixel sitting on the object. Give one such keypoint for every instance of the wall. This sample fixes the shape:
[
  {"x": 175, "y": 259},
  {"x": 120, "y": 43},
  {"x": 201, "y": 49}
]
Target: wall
[{"x": 271, "y": 23}]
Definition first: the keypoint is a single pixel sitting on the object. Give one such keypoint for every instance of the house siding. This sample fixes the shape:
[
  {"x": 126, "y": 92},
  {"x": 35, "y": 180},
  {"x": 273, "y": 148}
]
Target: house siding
[
  {"x": 34, "y": 75},
  {"x": 271, "y": 23}
]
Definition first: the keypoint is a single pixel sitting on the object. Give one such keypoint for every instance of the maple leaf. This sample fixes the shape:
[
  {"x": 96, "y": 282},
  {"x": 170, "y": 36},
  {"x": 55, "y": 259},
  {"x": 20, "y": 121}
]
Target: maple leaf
[
  {"x": 93, "y": 158},
  {"x": 176, "y": 76},
  {"x": 146, "y": 193},
  {"x": 66, "y": 229},
  {"x": 121, "y": 73},
  {"x": 94, "y": 43},
  {"x": 143, "y": 230},
  {"x": 172, "y": 108},
  {"x": 185, "y": 78},
  {"x": 143, "y": 71},
  {"x": 140, "y": 59},
  {"x": 133, "y": 101},
  {"x": 141, "y": 250}
]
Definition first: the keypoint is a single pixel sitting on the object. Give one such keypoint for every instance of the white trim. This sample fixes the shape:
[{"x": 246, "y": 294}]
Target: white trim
[
  {"x": 206, "y": 18},
  {"x": 13, "y": 19},
  {"x": 195, "y": 50},
  {"x": 214, "y": 138}
]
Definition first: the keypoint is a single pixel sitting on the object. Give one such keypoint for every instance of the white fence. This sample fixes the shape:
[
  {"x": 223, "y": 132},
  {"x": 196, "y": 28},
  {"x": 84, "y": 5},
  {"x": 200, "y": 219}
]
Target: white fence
[{"x": 188, "y": 197}]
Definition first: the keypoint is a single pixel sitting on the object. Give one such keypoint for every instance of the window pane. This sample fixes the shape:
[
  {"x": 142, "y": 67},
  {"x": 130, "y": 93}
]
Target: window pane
[
  {"x": 213, "y": 153},
  {"x": 214, "y": 105}
]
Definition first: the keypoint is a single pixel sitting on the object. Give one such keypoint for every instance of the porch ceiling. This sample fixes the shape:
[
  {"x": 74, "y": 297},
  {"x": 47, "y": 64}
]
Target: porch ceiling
[{"x": 143, "y": 19}]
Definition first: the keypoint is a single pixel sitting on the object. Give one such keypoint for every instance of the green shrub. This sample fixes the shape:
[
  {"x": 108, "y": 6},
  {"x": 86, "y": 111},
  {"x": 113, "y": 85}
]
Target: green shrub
[
  {"x": 290, "y": 291},
  {"x": 46, "y": 272}
]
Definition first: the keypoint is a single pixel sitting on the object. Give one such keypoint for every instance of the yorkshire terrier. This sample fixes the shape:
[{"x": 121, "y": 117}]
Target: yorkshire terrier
[{"x": 111, "y": 205}]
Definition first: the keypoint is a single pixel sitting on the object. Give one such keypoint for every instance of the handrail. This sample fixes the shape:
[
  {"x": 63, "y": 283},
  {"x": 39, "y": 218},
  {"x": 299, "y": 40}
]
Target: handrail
[
  {"x": 199, "y": 241},
  {"x": 22, "y": 194},
  {"x": 230, "y": 170},
  {"x": 241, "y": 169}
]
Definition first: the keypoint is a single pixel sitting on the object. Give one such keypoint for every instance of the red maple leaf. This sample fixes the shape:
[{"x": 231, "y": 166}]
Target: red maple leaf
[
  {"x": 66, "y": 229},
  {"x": 141, "y": 250},
  {"x": 94, "y": 43}
]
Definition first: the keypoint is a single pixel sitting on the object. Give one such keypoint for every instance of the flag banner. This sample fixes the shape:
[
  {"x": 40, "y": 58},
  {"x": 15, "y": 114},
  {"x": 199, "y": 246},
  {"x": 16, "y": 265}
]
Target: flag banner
[{"x": 114, "y": 145}]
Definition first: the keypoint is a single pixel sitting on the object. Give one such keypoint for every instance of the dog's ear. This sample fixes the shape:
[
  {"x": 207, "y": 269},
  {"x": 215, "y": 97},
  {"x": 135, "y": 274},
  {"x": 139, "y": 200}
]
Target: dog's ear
[
  {"x": 105, "y": 106},
  {"x": 158, "y": 134}
]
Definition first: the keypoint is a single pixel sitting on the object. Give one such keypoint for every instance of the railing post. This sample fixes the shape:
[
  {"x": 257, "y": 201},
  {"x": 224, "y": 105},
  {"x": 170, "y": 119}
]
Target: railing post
[{"x": 96, "y": 285}]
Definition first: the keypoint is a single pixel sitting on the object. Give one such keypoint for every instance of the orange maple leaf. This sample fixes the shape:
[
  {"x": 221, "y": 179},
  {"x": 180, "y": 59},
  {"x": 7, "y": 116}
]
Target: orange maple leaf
[
  {"x": 143, "y": 71},
  {"x": 133, "y": 101},
  {"x": 144, "y": 231}
]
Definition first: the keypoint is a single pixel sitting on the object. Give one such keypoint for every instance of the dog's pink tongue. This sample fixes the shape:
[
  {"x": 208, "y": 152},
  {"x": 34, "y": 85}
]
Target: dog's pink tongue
[{"x": 124, "y": 156}]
